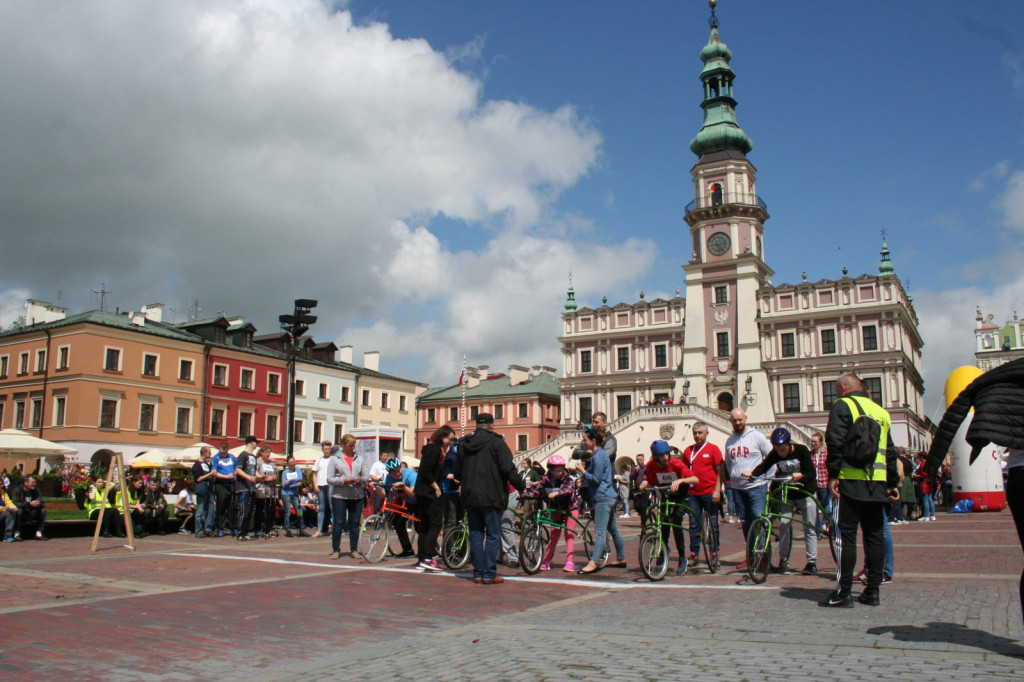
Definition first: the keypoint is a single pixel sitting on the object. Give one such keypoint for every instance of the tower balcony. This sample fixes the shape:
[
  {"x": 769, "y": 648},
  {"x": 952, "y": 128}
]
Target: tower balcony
[{"x": 719, "y": 204}]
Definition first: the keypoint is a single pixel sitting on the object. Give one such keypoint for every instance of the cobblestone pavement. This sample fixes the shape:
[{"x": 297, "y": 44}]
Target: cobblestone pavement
[{"x": 179, "y": 608}]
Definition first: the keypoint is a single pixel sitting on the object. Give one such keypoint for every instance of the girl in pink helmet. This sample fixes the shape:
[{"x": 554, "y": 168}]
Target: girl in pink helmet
[{"x": 558, "y": 489}]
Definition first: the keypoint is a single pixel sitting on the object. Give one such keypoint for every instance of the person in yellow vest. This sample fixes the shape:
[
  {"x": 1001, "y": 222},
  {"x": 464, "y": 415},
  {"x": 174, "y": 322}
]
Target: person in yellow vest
[
  {"x": 97, "y": 496},
  {"x": 8, "y": 513},
  {"x": 136, "y": 505},
  {"x": 861, "y": 493}
]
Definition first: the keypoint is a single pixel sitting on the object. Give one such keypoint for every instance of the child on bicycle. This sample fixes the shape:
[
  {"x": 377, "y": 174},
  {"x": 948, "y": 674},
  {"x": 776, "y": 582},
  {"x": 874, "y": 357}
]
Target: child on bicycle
[
  {"x": 559, "y": 489},
  {"x": 793, "y": 459},
  {"x": 671, "y": 471}
]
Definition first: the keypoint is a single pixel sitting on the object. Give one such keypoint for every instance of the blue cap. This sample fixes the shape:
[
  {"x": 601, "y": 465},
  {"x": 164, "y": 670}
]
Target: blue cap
[{"x": 659, "y": 447}]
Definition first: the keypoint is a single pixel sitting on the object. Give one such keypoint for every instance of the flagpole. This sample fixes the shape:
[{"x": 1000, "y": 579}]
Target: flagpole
[{"x": 463, "y": 382}]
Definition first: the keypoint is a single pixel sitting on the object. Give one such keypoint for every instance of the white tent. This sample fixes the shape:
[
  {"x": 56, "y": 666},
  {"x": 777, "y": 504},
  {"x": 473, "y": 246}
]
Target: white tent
[
  {"x": 17, "y": 447},
  {"x": 151, "y": 459},
  {"x": 190, "y": 454}
]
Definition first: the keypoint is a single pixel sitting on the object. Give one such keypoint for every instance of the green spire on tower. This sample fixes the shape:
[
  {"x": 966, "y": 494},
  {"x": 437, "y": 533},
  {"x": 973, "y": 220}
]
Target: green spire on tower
[
  {"x": 885, "y": 267},
  {"x": 570, "y": 300},
  {"x": 720, "y": 131}
]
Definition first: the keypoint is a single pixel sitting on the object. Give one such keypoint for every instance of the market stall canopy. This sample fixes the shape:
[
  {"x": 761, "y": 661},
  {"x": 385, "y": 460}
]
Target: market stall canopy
[
  {"x": 18, "y": 448},
  {"x": 190, "y": 454},
  {"x": 151, "y": 459},
  {"x": 15, "y": 442},
  {"x": 307, "y": 455}
]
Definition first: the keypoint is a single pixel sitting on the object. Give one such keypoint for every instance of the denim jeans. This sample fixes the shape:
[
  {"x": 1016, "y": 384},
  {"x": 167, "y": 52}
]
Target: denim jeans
[
  {"x": 750, "y": 504},
  {"x": 827, "y": 501},
  {"x": 205, "y": 514},
  {"x": 290, "y": 501},
  {"x": 342, "y": 511},
  {"x": 604, "y": 523},
  {"x": 702, "y": 504},
  {"x": 323, "y": 515},
  {"x": 928, "y": 505},
  {"x": 804, "y": 506},
  {"x": 508, "y": 530},
  {"x": 484, "y": 539}
]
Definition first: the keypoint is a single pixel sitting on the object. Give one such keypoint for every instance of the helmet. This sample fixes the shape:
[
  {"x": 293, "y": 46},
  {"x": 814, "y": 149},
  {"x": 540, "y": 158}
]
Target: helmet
[
  {"x": 392, "y": 464},
  {"x": 660, "y": 447},
  {"x": 555, "y": 461},
  {"x": 780, "y": 436}
]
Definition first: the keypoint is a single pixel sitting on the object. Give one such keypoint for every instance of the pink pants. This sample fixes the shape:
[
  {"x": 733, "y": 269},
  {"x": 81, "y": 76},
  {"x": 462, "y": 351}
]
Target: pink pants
[{"x": 570, "y": 537}]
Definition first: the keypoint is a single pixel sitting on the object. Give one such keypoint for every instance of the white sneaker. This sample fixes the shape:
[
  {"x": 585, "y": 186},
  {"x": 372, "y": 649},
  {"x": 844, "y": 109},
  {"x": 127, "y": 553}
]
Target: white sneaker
[
  {"x": 623, "y": 516},
  {"x": 922, "y": 519},
  {"x": 932, "y": 518}
]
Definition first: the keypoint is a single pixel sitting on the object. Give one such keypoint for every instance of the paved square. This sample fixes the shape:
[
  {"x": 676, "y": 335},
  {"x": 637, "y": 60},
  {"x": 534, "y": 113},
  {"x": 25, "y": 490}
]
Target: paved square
[{"x": 180, "y": 608}]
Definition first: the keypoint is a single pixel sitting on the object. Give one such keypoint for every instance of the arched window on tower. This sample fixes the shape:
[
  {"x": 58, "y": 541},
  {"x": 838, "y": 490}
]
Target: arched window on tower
[{"x": 716, "y": 194}]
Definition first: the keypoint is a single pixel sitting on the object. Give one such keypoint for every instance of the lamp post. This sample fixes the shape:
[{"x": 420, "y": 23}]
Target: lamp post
[{"x": 296, "y": 325}]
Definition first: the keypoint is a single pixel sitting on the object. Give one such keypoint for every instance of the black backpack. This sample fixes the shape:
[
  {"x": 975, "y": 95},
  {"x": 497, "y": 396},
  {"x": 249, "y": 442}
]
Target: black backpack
[{"x": 860, "y": 446}]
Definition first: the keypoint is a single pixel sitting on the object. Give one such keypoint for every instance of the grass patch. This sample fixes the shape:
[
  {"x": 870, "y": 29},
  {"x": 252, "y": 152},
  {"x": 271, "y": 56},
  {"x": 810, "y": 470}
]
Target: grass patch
[{"x": 66, "y": 514}]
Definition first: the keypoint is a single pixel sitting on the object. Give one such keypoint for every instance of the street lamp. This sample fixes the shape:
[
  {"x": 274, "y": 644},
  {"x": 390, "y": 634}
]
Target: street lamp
[{"x": 296, "y": 325}]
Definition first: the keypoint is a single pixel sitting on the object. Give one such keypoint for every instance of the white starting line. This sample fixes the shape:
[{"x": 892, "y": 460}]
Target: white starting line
[{"x": 508, "y": 578}]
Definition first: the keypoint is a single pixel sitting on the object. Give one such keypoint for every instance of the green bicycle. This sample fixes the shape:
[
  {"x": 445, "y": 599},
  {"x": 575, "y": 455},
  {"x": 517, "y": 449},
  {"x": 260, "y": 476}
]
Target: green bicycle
[
  {"x": 778, "y": 508},
  {"x": 455, "y": 544},
  {"x": 533, "y": 541},
  {"x": 654, "y": 551}
]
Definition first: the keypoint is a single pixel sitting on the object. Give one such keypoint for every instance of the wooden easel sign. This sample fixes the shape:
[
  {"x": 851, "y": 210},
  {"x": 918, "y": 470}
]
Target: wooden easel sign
[{"x": 116, "y": 465}]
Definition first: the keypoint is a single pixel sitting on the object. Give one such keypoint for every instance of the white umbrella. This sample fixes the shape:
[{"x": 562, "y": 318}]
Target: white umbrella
[
  {"x": 15, "y": 442},
  {"x": 151, "y": 459},
  {"x": 190, "y": 454}
]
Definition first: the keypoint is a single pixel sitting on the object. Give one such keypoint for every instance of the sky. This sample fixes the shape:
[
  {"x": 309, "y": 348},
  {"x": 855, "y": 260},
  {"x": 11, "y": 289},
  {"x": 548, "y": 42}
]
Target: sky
[{"x": 431, "y": 173}]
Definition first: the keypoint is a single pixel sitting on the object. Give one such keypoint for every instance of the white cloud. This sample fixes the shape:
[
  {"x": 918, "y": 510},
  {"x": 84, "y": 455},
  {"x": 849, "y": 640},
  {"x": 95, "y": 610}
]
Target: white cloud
[
  {"x": 256, "y": 151},
  {"x": 12, "y": 306}
]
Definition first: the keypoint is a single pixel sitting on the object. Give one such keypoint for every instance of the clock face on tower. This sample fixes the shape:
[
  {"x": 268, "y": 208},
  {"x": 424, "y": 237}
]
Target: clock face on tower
[{"x": 719, "y": 243}]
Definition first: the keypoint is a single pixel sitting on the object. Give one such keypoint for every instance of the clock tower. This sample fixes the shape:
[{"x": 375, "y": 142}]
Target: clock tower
[{"x": 721, "y": 342}]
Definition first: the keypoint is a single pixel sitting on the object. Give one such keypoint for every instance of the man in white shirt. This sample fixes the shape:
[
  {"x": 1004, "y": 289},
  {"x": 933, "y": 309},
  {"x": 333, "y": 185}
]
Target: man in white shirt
[{"x": 744, "y": 450}]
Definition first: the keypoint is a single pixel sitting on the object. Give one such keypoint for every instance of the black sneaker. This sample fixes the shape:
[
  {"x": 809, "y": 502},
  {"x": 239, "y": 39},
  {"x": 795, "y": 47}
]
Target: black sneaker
[
  {"x": 405, "y": 553},
  {"x": 782, "y": 568},
  {"x": 834, "y": 599},
  {"x": 869, "y": 598},
  {"x": 810, "y": 569},
  {"x": 287, "y": 533}
]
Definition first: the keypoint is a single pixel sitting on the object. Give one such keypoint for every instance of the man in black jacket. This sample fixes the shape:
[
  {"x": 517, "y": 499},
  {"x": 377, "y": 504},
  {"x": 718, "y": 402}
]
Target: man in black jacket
[
  {"x": 485, "y": 470},
  {"x": 862, "y": 493},
  {"x": 31, "y": 507}
]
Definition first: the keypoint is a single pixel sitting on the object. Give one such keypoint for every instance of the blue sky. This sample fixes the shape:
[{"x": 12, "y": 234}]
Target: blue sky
[{"x": 432, "y": 171}]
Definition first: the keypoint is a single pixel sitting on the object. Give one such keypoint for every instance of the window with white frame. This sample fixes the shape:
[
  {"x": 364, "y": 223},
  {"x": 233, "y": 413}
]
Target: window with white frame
[
  {"x": 108, "y": 413},
  {"x": 60, "y": 407},
  {"x": 244, "y": 424},
  {"x": 185, "y": 370},
  {"x": 63, "y": 357},
  {"x": 522, "y": 442},
  {"x": 112, "y": 359},
  {"x": 322, "y": 393},
  {"x": 273, "y": 383},
  {"x": 147, "y": 417},
  {"x": 41, "y": 360},
  {"x": 245, "y": 379},
  {"x": 220, "y": 375},
  {"x": 23, "y": 363},
  {"x": 37, "y": 412},
  {"x": 216, "y": 421},
  {"x": 183, "y": 420}
]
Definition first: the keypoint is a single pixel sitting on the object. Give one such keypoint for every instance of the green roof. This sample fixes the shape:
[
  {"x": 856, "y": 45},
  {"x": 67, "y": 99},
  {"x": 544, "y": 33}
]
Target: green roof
[
  {"x": 108, "y": 319},
  {"x": 543, "y": 385}
]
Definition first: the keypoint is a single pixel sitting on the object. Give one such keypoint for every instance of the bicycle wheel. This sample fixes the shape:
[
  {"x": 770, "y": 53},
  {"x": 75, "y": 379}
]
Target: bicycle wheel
[
  {"x": 587, "y": 532},
  {"x": 759, "y": 550},
  {"x": 709, "y": 541},
  {"x": 532, "y": 545},
  {"x": 455, "y": 547},
  {"x": 653, "y": 555},
  {"x": 373, "y": 538},
  {"x": 395, "y": 543}
]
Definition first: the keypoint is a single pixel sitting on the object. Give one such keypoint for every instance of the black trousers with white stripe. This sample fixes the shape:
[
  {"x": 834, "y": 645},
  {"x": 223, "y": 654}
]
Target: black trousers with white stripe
[{"x": 853, "y": 514}]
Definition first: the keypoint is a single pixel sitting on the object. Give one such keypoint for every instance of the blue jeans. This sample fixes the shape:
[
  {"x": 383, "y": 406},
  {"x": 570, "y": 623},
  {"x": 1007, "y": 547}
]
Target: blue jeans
[
  {"x": 928, "y": 505},
  {"x": 323, "y": 515},
  {"x": 205, "y": 515},
  {"x": 343, "y": 510},
  {"x": 750, "y": 505},
  {"x": 604, "y": 523},
  {"x": 702, "y": 504},
  {"x": 484, "y": 540},
  {"x": 290, "y": 501},
  {"x": 824, "y": 496}
]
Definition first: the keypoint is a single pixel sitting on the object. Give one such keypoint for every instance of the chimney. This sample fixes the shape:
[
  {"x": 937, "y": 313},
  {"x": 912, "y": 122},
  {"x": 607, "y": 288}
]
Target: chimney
[
  {"x": 517, "y": 374},
  {"x": 345, "y": 354},
  {"x": 138, "y": 318},
  {"x": 472, "y": 377},
  {"x": 37, "y": 312},
  {"x": 371, "y": 360},
  {"x": 484, "y": 369},
  {"x": 154, "y": 312},
  {"x": 535, "y": 370},
  {"x": 549, "y": 370}
]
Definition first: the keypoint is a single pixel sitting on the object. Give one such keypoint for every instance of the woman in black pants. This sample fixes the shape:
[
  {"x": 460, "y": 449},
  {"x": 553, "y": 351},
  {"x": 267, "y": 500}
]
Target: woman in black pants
[{"x": 428, "y": 496}]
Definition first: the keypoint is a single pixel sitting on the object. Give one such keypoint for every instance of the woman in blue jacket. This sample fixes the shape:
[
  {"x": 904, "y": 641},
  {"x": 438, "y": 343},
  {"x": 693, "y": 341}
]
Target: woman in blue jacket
[{"x": 597, "y": 479}]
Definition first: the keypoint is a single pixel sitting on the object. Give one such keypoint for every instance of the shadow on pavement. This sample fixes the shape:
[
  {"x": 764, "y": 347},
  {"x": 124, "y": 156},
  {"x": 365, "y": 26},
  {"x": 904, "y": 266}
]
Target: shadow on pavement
[
  {"x": 813, "y": 594},
  {"x": 952, "y": 633}
]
